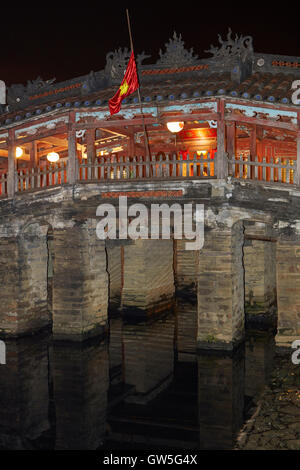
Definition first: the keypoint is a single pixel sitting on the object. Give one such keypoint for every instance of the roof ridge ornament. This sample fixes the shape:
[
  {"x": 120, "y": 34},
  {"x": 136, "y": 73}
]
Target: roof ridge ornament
[
  {"x": 117, "y": 61},
  {"x": 231, "y": 49},
  {"x": 176, "y": 54}
]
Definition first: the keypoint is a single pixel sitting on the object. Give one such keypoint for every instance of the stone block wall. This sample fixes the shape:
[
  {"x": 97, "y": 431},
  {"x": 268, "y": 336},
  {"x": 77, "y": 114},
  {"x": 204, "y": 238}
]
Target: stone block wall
[
  {"x": 221, "y": 289},
  {"x": 260, "y": 270},
  {"x": 148, "y": 276},
  {"x": 23, "y": 272},
  {"x": 288, "y": 291},
  {"x": 80, "y": 283}
]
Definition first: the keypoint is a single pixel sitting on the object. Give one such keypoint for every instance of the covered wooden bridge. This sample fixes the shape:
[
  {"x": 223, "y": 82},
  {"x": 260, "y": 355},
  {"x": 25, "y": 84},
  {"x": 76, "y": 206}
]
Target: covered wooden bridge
[{"x": 234, "y": 115}]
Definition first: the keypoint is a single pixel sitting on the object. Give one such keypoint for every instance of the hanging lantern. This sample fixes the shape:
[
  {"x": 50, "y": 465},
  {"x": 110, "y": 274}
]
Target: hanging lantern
[
  {"x": 19, "y": 152},
  {"x": 52, "y": 157},
  {"x": 175, "y": 126}
]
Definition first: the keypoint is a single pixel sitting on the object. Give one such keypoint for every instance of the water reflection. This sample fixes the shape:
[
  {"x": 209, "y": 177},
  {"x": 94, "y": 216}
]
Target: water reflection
[
  {"x": 221, "y": 383},
  {"x": 131, "y": 390},
  {"x": 80, "y": 385},
  {"x": 24, "y": 393}
]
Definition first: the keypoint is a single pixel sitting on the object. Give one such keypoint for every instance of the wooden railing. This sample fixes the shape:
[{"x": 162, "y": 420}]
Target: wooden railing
[
  {"x": 41, "y": 177},
  {"x": 275, "y": 170},
  {"x": 3, "y": 184},
  {"x": 159, "y": 166}
]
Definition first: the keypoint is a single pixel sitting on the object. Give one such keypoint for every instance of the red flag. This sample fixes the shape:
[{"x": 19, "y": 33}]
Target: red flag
[{"x": 129, "y": 85}]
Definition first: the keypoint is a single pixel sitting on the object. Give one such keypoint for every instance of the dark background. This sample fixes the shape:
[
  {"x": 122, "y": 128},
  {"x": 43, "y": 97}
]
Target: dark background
[{"x": 66, "y": 40}]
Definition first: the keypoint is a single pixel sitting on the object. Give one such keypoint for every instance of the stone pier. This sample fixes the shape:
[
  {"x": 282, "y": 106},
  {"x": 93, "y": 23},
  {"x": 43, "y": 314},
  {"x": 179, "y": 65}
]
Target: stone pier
[
  {"x": 148, "y": 277},
  {"x": 288, "y": 291},
  {"x": 23, "y": 271},
  {"x": 260, "y": 270},
  {"x": 80, "y": 283},
  {"x": 221, "y": 289}
]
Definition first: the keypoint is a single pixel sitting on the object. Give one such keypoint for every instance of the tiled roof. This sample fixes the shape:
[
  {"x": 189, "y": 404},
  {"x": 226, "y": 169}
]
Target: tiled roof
[{"x": 177, "y": 76}]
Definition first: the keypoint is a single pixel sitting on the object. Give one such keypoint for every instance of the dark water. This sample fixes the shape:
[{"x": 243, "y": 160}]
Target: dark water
[{"x": 143, "y": 387}]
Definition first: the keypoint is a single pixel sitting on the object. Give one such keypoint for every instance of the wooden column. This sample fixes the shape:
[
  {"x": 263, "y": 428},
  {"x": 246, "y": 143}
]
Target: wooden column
[
  {"x": 131, "y": 146},
  {"x": 231, "y": 140},
  {"x": 11, "y": 177},
  {"x": 72, "y": 150},
  {"x": 90, "y": 150},
  {"x": 259, "y": 152},
  {"x": 33, "y": 155},
  {"x": 253, "y": 151},
  {"x": 221, "y": 164}
]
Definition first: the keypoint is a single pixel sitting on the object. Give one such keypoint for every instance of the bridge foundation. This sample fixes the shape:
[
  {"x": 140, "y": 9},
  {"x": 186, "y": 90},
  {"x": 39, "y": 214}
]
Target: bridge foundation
[
  {"x": 80, "y": 284},
  {"x": 260, "y": 270},
  {"x": 288, "y": 292},
  {"x": 23, "y": 272},
  {"x": 148, "y": 277},
  {"x": 221, "y": 289}
]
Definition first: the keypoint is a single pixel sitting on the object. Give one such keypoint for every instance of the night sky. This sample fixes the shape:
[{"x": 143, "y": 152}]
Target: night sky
[{"x": 65, "y": 42}]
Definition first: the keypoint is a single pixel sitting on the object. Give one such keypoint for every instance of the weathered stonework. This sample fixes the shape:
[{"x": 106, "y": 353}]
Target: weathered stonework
[
  {"x": 260, "y": 270},
  {"x": 80, "y": 283},
  {"x": 148, "y": 276},
  {"x": 221, "y": 289},
  {"x": 288, "y": 291},
  {"x": 23, "y": 269}
]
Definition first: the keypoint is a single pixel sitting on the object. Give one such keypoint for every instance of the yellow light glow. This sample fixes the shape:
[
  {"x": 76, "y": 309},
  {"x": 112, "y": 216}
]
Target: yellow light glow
[
  {"x": 19, "y": 152},
  {"x": 117, "y": 149},
  {"x": 175, "y": 126},
  {"x": 52, "y": 157}
]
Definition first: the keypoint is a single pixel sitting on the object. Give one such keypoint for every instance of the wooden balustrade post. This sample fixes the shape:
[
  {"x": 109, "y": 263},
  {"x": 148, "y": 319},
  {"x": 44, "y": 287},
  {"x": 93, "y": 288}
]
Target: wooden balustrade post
[
  {"x": 221, "y": 164},
  {"x": 253, "y": 151},
  {"x": 231, "y": 141},
  {"x": 72, "y": 150},
  {"x": 11, "y": 175}
]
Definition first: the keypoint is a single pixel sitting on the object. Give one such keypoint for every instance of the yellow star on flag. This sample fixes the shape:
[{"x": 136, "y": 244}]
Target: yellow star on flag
[{"x": 124, "y": 88}]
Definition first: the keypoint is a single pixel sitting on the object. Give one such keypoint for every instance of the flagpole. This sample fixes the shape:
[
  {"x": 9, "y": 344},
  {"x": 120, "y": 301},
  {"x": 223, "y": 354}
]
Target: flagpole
[{"x": 138, "y": 90}]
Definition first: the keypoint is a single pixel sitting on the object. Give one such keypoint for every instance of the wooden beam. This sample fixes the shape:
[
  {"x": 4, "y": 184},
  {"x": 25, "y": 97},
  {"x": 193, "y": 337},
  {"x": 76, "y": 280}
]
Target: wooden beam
[
  {"x": 260, "y": 122},
  {"x": 40, "y": 135}
]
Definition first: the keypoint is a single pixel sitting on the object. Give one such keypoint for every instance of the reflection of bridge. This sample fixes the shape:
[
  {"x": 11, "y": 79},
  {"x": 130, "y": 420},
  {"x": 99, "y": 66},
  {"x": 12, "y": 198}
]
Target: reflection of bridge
[{"x": 62, "y": 154}]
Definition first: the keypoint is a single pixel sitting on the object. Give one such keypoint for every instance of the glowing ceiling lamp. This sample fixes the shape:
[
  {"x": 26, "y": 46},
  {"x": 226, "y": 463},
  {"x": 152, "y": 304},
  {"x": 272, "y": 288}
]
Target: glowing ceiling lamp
[
  {"x": 52, "y": 157},
  {"x": 175, "y": 126},
  {"x": 19, "y": 152}
]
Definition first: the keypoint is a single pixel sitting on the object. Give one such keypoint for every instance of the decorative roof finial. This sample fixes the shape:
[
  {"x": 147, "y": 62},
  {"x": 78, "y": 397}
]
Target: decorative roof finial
[
  {"x": 231, "y": 49},
  {"x": 176, "y": 54}
]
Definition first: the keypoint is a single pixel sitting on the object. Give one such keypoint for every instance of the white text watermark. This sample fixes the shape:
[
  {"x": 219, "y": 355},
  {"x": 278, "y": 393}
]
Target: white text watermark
[{"x": 138, "y": 221}]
